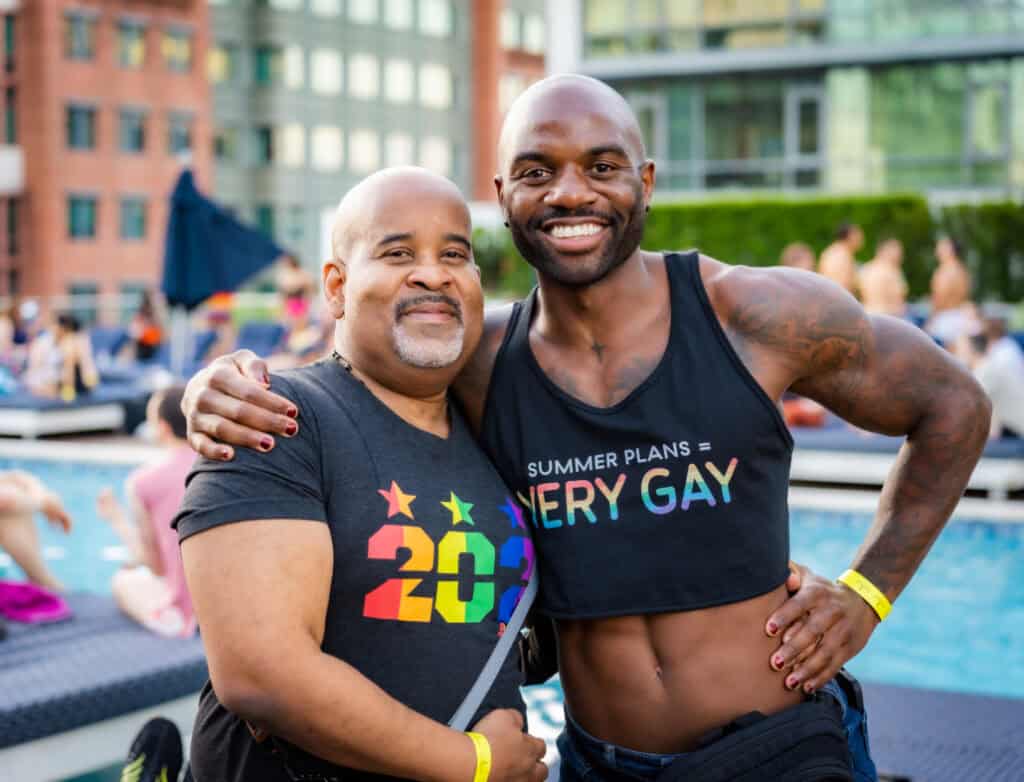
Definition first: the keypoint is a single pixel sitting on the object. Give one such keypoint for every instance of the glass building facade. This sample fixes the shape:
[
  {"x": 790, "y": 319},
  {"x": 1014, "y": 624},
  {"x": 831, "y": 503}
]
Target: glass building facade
[{"x": 831, "y": 95}]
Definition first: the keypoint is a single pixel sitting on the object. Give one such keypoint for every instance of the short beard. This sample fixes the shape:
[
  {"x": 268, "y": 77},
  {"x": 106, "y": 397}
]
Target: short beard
[
  {"x": 427, "y": 352},
  {"x": 618, "y": 250}
]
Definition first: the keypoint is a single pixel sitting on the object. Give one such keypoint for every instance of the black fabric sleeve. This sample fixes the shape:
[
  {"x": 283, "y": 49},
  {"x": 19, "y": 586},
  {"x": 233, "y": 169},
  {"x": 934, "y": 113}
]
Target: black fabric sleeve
[{"x": 286, "y": 483}]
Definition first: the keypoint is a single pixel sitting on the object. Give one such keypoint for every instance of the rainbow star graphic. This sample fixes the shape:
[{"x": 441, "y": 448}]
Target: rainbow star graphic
[
  {"x": 398, "y": 501},
  {"x": 460, "y": 510},
  {"x": 514, "y": 513}
]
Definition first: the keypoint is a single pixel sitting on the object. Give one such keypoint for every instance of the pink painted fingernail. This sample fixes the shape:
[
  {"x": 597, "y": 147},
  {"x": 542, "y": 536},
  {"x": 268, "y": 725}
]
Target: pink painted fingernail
[
  {"x": 291, "y": 412},
  {"x": 792, "y": 682},
  {"x": 225, "y": 453},
  {"x": 772, "y": 628},
  {"x": 808, "y": 688},
  {"x": 266, "y": 444},
  {"x": 778, "y": 661},
  {"x": 291, "y": 428}
]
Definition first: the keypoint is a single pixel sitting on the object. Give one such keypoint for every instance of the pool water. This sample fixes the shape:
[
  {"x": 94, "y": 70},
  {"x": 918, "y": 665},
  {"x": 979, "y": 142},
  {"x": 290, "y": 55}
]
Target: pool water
[{"x": 958, "y": 626}]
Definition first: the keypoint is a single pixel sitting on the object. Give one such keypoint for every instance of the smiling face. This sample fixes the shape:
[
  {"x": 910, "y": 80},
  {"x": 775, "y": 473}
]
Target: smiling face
[
  {"x": 574, "y": 184},
  {"x": 403, "y": 279}
]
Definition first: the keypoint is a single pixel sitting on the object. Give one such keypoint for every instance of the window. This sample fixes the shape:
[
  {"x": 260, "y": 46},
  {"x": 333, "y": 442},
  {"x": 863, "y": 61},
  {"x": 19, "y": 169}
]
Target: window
[
  {"x": 362, "y": 76},
  {"x": 295, "y": 225},
  {"x": 362, "y": 11},
  {"x": 399, "y": 149},
  {"x": 132, "y": 130},
  {"x": 436, "y": 18},
  {"x": 398, "y": 14},
  {"x": 436, "y": 154},
  {"x": 534, "y": 34},
  {"x": 13, "y": 243},
  {"x": 268, "y": 65},
  {"x": 365, "y": 151},
  {"x": 177, "y": 49},
  {"x": 81, "y": 127},
  {"x": 294, "y": 67},
  {"x": 79, "y": 37},
  {"x": 291, "y": 145},
  {"x": 265, "y": 218},
  {"x": 225, "y": 144},
  {"x": 510, "y": 87},
  {"x": 133, "y": 218},
  {"x": 398, "y": 81},
  {"x": 326, "y": 70},
  {"x": 511, "y": 29},
  {"x": 11, "y": 115},
  {"x": 328, "y": 148},
  {"x": 222, "y": 63},
  {"x": 84, "y": 299},
  {"x": 325, "y": 7},
  {"x": 10, "y": 42},
  {"x": 263, "y": 145},
  {"x": 82, "y": 217},
  {"x": 179, "y": 132},
  {"x": 435, "y": 86},
  {"x": 131, "y": 44}
]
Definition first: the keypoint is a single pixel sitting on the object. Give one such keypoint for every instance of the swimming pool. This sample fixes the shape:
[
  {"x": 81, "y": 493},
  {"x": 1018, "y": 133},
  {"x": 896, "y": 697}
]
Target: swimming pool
[{"x": 959, "y": 626}]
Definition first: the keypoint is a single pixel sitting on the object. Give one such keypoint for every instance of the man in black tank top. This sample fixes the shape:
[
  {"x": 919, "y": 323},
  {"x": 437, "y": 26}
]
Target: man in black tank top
[{"x": 630, "y": 404}]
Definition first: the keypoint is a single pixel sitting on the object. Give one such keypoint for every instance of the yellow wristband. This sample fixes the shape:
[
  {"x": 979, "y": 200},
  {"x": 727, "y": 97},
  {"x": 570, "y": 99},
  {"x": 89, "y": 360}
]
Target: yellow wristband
[
  {"x": 483, "y": 756},
  {"x": 871, "y": 594}
]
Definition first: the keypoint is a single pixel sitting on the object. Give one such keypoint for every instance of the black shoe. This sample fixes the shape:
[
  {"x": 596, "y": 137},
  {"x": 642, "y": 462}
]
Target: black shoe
[
  {"x": 155, "y": 755},
  {"x": 3, "y": 628}
]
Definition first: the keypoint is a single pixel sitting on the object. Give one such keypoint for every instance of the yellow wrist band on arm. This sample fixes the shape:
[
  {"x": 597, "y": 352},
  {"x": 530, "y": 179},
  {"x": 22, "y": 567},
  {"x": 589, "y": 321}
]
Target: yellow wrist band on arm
[
  {"x": 483, "y": 756},
  {"x": 871, "y": 594}
]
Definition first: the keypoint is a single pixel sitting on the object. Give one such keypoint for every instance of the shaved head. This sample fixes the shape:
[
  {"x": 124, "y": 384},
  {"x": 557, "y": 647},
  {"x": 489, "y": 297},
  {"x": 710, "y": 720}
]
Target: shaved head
[
  {"x": 567, "y": 98},
  {"x": 361, "y": 207}
]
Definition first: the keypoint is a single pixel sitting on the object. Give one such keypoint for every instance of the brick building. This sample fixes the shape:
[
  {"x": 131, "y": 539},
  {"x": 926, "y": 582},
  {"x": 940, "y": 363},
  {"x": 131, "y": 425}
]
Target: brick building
[{"x": 102, "y": 100}]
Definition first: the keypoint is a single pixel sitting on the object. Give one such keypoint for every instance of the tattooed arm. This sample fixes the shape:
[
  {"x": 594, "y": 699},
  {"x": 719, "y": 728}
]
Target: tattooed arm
[{"x": 796, "y": 330}]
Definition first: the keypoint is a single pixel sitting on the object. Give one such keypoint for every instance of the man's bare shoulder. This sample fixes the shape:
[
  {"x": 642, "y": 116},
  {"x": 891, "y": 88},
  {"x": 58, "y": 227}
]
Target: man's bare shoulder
[{"x": 474, "y": 380}]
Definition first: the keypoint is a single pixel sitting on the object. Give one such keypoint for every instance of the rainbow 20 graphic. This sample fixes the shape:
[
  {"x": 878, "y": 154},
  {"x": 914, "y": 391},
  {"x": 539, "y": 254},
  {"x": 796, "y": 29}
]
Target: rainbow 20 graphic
[{"x": 394, "y": 599}]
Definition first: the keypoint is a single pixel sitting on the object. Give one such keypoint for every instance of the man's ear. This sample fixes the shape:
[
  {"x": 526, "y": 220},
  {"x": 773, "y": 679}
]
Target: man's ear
[
  {"x": 647, "y": 175},
  {"x": 334, "y": 276}
]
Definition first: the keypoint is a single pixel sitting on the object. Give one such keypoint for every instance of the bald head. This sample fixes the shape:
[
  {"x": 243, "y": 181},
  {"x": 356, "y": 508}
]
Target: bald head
[
  {"x": 362, "y": 209},
  {"x": 563, "y": 102}
]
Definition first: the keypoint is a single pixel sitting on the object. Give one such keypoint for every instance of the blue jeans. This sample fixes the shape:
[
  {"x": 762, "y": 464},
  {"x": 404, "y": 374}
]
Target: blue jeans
[{"x": 585, "y": 758}]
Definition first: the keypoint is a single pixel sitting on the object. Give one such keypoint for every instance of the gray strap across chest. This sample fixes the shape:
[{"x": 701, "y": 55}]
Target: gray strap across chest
[{"x": 483, "y": 683}]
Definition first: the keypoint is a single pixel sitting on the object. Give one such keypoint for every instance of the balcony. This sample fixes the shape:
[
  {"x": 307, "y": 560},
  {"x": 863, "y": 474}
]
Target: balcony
[{"x": 12, "y": 169}]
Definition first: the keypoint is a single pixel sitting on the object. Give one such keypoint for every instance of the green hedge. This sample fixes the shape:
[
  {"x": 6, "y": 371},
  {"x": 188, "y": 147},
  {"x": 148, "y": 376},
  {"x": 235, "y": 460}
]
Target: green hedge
[{"x": 754, "y": 231}]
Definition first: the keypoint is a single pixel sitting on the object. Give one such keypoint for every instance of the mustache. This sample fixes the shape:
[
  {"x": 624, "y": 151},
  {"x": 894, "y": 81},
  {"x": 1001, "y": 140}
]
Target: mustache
[
  {"x": 558, "y": 213},
  {"x": 403, "y": 307}
]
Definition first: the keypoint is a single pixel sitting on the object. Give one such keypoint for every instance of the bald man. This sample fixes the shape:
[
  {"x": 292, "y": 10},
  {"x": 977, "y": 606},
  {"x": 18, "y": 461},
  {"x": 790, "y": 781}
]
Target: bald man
[
  {"x": 631, "y": 404},
  {"x": 330, "y": 576}
]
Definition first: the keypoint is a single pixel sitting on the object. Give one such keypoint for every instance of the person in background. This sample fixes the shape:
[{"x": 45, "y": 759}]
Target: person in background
[
  {"x": 295, "y": 286},
  {"x": 797, "y": 255},
  {"x": 146, "y": 332},
  {"x": 21, "y": 496},
  {"x": 61, "y": 361},
  {"x": 152, "y": 590},
  {"x": 883, "y": 288},
  {"x": 997, "y": 362},
  {"x": 838, "y": 261},
  {"x": 952, "y": 311}
]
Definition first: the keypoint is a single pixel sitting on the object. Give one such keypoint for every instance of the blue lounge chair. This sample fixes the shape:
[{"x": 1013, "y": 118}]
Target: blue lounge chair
[
  {"x": 107, "y": 342},
  {"x": 24, "y": 415},
  {"x": 73, "y": 694},
  {"x": 261, "y": 338}
]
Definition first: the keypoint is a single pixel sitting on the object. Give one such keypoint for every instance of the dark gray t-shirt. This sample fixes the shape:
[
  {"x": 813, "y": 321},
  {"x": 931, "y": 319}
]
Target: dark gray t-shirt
[{"x": 430, "y": 553}]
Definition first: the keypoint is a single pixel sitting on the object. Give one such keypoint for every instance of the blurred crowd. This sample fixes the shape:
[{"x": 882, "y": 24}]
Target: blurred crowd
[
  {"x": 52, "y": 355},
  {"x": 977, "y": 335}
]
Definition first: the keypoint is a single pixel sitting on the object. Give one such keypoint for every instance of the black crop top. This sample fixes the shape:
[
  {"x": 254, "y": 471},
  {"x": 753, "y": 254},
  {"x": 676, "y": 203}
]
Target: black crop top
[{"x": 673, "y": 499}]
